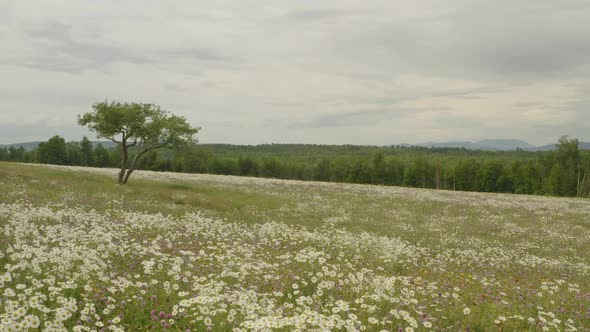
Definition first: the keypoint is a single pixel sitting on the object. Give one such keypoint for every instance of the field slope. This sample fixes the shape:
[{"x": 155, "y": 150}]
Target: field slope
[{"x": 193, "y": 252}]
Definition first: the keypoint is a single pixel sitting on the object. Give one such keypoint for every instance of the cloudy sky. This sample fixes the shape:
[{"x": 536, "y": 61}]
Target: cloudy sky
[{"x": 301, "y": 71}]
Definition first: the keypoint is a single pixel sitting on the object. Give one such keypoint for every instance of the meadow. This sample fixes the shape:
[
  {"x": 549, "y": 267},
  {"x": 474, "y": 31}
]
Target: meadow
[{"x": 193, "y": 252}]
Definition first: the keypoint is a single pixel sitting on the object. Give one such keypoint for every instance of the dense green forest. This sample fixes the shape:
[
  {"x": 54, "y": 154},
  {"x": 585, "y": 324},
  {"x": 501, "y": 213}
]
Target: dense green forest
[{"x": 564, "y": 172}]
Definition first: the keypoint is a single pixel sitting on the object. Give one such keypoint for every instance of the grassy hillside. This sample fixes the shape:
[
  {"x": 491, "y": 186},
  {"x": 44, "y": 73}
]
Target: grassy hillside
[{"x": 191, "y": 252}]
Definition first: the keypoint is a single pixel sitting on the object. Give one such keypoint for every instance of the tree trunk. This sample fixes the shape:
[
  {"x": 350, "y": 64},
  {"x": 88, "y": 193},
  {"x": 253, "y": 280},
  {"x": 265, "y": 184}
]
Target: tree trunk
[
  {"x": 132, "y": 167},
  {"x": 437, "y": 175},
  {"x": 123, "y": 162},
  {"x": 578, "y": 184},
  {"x": 582, "y": 185},
  {"x": 127, "y": 175},
  {"x": 124, "y": 177},
  {"x": 121, "y": 175}
]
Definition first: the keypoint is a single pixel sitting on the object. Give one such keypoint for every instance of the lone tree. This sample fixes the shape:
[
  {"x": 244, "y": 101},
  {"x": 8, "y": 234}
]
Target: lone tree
[{"x": 137, "y": 128}]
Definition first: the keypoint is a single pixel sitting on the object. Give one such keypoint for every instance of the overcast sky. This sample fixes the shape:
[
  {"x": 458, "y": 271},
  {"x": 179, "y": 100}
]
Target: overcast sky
[{"x": 301, "y": 71}]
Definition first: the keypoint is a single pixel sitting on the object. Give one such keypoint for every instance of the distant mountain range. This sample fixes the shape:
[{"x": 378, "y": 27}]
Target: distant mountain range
[
  {"x": 487, "y": 144},
  {"x": 495, "y": 145}
]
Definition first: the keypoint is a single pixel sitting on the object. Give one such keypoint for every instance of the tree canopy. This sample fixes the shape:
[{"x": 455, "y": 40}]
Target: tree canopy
[{"x": 53, "y": 151}]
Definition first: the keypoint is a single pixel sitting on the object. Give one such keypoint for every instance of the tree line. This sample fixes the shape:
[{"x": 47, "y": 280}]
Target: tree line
[{"x": 563, "y": 172}]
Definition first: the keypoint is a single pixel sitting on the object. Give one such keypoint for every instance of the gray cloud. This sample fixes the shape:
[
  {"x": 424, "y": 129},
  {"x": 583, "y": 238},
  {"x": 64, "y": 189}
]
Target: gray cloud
[
  {"x": 39, "y": 131},
  {"x": 202, "y": 54},
  {"x": 366, "y": 117},
  {"x": 319, "y": 14},
  {"x": 56, "y": 50},
  {"x": 524, "y": 39},
  {"x": 174, "y": 87},
  {"x": 340, "y": 119},
  {"x": 528, "y": 104},
  {"x": 470, "y": 93},
  {"x": 285, "y": 70}
]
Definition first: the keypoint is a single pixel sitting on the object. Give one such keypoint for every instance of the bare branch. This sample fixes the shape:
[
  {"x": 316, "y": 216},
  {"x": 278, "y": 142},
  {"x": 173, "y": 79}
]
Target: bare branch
[{"x": 113, "y": 139}]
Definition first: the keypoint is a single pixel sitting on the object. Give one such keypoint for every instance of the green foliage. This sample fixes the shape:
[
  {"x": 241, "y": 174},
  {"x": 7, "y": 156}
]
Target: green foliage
[
  {"x": 86, "y": 151},
  {"x": 247, "y": 166},
  {"x": 564, "y": 172},
  {"x": 53, "y": 151},
  {"x": 16, "y": 154},
  {"x": 568, "y": 158},
  {"x": 195, "y": 160},
  {"x": 492, "y": 177},
  {"x": 101, "y": 157}
]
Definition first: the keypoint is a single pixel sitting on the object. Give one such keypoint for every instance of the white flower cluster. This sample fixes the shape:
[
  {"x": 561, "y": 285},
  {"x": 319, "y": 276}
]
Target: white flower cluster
[{"x": 70, "y": 267}]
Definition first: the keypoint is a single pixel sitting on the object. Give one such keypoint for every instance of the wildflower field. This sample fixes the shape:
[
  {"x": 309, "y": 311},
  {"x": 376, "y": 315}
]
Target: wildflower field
[{"x": 184, "y": 252}]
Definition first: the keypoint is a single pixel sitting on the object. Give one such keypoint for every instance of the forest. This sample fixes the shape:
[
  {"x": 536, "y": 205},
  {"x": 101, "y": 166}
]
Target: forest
[{"x": 563, "y": 172}]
